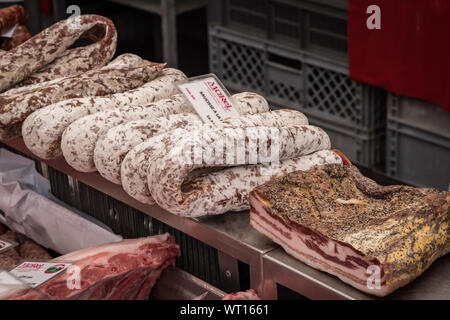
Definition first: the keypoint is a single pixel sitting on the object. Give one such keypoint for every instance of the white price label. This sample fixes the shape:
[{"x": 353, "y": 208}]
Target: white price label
[
  {"x": 36, "y": 273},
  {"x": 209, "y": 98}
]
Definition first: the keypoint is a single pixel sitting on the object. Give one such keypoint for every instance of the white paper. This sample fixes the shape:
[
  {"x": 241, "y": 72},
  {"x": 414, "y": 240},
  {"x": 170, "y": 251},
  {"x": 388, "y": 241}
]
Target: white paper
[
  {"x": 27, "y": 209},
  {"x": 209, "y": 98}
]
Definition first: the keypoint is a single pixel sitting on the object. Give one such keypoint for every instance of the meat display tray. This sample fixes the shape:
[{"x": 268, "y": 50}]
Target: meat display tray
[{"x": 270, "y": 266}]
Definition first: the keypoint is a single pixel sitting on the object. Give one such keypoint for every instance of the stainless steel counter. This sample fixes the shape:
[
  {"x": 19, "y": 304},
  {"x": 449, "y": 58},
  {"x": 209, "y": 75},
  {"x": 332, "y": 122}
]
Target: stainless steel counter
[
  {"x": 232, "y": 234},
  {"x": 283, "y": 269}
]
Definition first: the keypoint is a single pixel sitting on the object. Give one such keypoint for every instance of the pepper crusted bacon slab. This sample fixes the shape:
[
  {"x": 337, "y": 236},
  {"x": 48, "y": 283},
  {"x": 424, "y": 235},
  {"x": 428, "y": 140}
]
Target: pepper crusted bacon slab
[
  {"x": 79, "y": 139},
  {"x": 15, "y": 108},
  {"x": 43, "y": 129},
  {"x": 112, "y": 147},
  {"x": 372, "y": 237},
  {"x": 135, "y": 166},
  {"x": 37, "y": 52}
]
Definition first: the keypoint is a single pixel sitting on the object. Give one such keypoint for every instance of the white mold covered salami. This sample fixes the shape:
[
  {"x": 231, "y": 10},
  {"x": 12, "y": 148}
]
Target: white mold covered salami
[
  {"x": 228, "y": 190},
  {"x": 79, "y": 139},
  {"x": 39, "y": 51},
  {"x": 98, "y": 82},
  {"x": 42, "y": 130},
  {"x": 126, "y": 60},
  {"x": 112, "y": 147},
  {"x": 117, "y": 142},
  {"x": 173, "y": 160},
  {"x": 79, "y": 60},
  {"x": 134, "y": 166}
]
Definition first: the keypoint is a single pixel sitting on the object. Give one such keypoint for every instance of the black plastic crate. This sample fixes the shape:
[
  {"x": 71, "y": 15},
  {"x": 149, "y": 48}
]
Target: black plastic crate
[
  {"x": 418, "y": 142},
  {"x": 352, "y": 113},
  {"x": 316, "y": 26}
]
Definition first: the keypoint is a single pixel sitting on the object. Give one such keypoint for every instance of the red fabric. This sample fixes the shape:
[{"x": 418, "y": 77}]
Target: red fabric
[
  {"x": 410, "y": 54},
  {"x": 46, "y": 7}
]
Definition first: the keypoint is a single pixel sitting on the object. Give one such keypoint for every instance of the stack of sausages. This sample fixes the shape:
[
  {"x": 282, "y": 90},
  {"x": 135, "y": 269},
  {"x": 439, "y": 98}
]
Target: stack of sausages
[
  {"x": 131, "y": 143},
  {"x": 43, "y": 71},
  {"x": 128, "y": 121}
]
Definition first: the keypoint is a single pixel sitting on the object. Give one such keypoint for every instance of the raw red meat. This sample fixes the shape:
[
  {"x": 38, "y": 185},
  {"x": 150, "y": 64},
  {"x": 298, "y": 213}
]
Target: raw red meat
[
  {"x": 243, "y": 295},
  {"x": 123, "y": 270}
]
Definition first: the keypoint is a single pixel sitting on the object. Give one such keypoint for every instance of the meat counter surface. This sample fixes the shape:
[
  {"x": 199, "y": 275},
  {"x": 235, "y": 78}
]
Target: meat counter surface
[{"x": 232, "y": 234}]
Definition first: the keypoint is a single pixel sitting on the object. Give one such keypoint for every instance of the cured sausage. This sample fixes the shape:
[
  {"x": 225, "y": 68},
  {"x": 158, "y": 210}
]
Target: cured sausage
[
  {"x": 36, "y": 53},
  {"x": 111, "y": 148},
  {"x": 76, "y": 61},
  {"x": 42, "y": 130},
  {"x": 228, "y": 189},
  {"x": 173, "y": 159},
  {"x": 79, "y": 139},
  {"x": 134, "y": 166},
  {"x": 15, "y": 108},
  {"x": 124, "y": 61}
]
